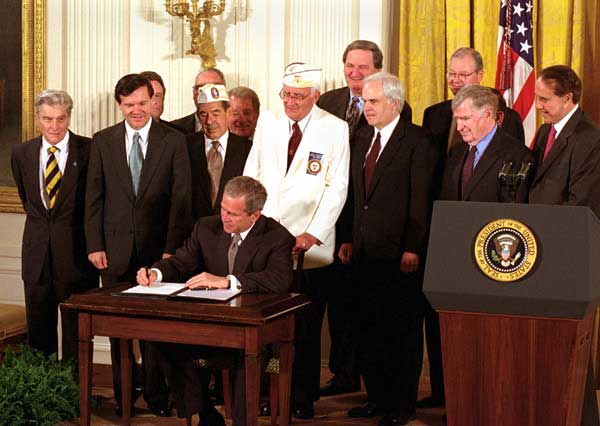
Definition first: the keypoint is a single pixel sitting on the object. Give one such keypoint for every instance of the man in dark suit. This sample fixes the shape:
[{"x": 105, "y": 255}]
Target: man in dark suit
[
  {"x": 226, "y": 151},
  {"x": 240, "y": 248},
  {"x": 137, "y": 201},
  {"x": 50, "y": 173},
  {"x": 392, "y": 181},
  {"x": 361, "y": 59},
  {"x": 191, "y": 123},
  {"x": 465, "y": 67},
  {"x": 245, "y": 108},
  {"x": 157, "y": 103},
  {"x": 567, "y": 145},
  {"x": 472, "y": 167}
]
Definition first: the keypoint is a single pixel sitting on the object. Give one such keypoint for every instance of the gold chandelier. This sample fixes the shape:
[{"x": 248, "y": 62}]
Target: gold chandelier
[{"x": 199, "y": 19}]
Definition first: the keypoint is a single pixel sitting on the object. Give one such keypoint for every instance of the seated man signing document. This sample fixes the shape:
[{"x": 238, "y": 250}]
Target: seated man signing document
[{"x": 240, "y": 248}]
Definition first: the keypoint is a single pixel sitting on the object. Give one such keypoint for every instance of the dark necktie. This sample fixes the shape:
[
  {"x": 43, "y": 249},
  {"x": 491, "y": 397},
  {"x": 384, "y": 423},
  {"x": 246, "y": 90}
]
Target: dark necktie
[
  {"x": 136, "y": 159},
  {"x": 293, "y": 143},
  {"x": 52, "y": 177},
  {"x": 232, "y": 252},
  {"x": 352, "y": 115},
  {"x": 215, "y": 169},
  {"x": 371, "y": 161},
  {"x": 549, "y": 142},
  {"x": 467, "y": 170}
]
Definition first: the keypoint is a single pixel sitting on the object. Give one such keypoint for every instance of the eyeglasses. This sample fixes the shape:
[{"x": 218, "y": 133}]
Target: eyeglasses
[
  {"x": 460, "y": 76},
  {"x": 296, "y": 97}
]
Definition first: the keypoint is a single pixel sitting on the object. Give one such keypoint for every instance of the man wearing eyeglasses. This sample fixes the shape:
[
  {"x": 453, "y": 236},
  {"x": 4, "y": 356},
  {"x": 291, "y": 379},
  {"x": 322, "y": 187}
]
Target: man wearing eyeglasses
[
  {"x": 191, "y": 123},
  {"x": 302, "y": 158},
  {"x": 465, "y": 67}
]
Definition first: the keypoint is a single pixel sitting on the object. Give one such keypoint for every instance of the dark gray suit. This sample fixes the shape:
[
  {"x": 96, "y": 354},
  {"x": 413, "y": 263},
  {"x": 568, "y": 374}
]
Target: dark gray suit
[
  {"x": 571, "y": 172},
  {"x": 54, "y": 259},
  {"x": 263, "y": 264},
  {"x": 135, "y": 231}
]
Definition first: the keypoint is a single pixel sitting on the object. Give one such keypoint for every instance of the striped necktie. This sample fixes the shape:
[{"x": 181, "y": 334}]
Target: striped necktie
[{"x": 52, "y": 176}]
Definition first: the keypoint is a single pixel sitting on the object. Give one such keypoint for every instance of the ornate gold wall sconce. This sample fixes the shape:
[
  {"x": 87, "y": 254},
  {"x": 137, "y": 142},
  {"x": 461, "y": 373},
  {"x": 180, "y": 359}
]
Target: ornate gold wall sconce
[{"x": 199, "y": 19}]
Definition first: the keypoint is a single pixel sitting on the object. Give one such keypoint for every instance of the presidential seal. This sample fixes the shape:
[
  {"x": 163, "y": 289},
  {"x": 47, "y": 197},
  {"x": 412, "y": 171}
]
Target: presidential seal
[{"x": 505, "y": 250}]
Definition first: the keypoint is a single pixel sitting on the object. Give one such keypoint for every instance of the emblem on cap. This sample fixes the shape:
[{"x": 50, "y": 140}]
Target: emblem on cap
[{"x": 505, "y": 250}]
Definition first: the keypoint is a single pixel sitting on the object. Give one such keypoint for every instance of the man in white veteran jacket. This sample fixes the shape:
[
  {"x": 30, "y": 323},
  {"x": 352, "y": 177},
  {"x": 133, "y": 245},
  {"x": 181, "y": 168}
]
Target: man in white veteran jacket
[{"x": 302, "y": 158}]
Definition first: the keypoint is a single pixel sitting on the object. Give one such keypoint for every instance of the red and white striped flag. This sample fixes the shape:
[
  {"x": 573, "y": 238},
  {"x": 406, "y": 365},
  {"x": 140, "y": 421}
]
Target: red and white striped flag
[{"x": 515, "y": 77}]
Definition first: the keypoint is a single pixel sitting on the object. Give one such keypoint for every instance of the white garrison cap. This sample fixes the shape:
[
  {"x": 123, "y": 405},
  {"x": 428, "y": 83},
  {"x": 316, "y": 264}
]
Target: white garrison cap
[
  {"x": 299, "y": 74},
  {"x": 212, "y": 93}
]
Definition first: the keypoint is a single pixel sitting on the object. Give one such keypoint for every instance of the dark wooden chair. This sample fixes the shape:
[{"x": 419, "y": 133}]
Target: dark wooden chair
[{"x": 272, "y": 368}]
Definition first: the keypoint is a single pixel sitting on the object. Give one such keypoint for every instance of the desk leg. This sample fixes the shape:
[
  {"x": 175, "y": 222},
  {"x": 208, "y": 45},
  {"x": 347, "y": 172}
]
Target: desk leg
[
  {"x": 252, "y": 366},
  {"x": 86, "y": 349},
  {"x": 286, "y": 359},
  {"x": 126, "y": 369}
]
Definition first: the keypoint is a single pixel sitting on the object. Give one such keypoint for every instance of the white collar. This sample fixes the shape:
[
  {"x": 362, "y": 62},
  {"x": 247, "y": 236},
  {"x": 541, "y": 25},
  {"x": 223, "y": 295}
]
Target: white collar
[{"x": 560, "y": 124}]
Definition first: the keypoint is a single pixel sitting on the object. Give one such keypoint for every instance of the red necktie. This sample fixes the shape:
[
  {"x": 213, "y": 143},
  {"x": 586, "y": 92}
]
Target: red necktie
[
  {"x": 293, "y": 143},
  {"x": 371, "y": 161},
  {"x": 467, "y": 170},
  {"x": 549, "y": 142}
]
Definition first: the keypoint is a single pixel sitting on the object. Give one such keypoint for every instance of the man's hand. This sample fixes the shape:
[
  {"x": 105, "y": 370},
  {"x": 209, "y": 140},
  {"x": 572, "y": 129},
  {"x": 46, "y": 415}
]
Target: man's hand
[
  {"x": 98, "y": 259},
  {"x": 166, "y": 255},
  {"x": 146, "y": 276},
  {"x": 345, "y": 253},
  {"x": 409, "y": 262},
  {"x": 304, "y": 242},
  {"x": 207, "y": 280}
]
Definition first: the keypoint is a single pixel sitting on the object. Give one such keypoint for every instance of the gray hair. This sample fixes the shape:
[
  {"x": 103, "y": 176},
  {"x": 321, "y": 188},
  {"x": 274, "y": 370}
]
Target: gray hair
[
  {"x": 467, "y": 51},
  {"x": 255, "y": 195},
  {"x": 53, "y": 97},
  {"x": 481, "y": 97},
  {"x": 247, "y": 93},
  {"x": 392, "y": 87}
]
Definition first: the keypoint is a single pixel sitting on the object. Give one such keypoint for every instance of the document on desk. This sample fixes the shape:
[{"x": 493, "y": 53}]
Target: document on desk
[
  {"x": 154, "y": 289},
  {"x": 214, "y": 294}
]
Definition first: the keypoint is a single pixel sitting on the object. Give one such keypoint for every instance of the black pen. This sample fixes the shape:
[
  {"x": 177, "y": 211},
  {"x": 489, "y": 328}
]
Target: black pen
[{"x": 203, "y": 288}]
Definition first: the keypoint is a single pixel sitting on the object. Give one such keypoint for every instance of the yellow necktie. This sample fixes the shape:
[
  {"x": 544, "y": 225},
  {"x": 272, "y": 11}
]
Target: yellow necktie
[{"x": 52, "y": 177}]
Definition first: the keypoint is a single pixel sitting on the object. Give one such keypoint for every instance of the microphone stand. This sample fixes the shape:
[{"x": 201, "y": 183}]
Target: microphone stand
[{"x": 512, "y": 181}]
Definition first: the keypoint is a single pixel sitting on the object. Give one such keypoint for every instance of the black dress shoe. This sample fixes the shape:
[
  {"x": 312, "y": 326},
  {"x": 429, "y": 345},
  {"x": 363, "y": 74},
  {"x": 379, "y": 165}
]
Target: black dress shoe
[
  {"x": 264, "y": 409},
  {"x": 396, "y": 419},
  {"x": 333, "y": 388},
  {"x": 304, "y": 413},
  {"x": 119, "y": 411},
  {"x": 430, "y": 402},
  {"x": 160, "y": 409},
  {"x": 211, "y": 418},
  {"x": 370, "y": 409}
]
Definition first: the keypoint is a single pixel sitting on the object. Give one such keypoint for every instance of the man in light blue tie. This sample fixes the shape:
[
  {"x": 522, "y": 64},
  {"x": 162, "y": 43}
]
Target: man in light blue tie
[{"x": 138, "y": 204}]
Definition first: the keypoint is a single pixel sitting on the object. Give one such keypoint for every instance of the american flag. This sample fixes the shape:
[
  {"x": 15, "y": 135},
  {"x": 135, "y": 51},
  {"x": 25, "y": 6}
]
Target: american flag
[{"x": 515, "y": 78}]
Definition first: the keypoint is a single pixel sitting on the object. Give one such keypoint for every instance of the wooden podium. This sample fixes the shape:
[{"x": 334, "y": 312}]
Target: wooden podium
[{"x": 514, "y": 353}]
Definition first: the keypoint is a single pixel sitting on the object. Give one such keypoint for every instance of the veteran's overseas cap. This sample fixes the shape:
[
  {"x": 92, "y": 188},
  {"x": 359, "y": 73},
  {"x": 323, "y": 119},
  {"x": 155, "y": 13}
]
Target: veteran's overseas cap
[
  {"x": 300, "y": 75},
  {"x": 212, "y": 93}
]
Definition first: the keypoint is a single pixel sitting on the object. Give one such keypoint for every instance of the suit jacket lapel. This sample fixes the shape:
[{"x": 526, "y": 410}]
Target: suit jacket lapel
[
  {"x": 233, "y": 156},
  {"x": 461, "y": 155},
  {"x": 360, "y": 152},
  {"x": 32, "y": 179},
  {"x": 154, "y": 154},
  {"x": 119, "y": 159},
  {"x": 486, "y": 161},
  {"x": 71, "y": 175},
  {"x": 388, "y": 154},
  {"x": 559, "y": 145},
  {"x": 198, "y": 154},
  {"x": 249, "y": 247}
]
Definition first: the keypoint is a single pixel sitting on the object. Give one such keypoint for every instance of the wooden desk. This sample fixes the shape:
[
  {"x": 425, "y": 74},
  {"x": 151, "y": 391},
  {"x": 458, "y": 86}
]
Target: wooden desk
[{"x": 247, "y": 322}]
